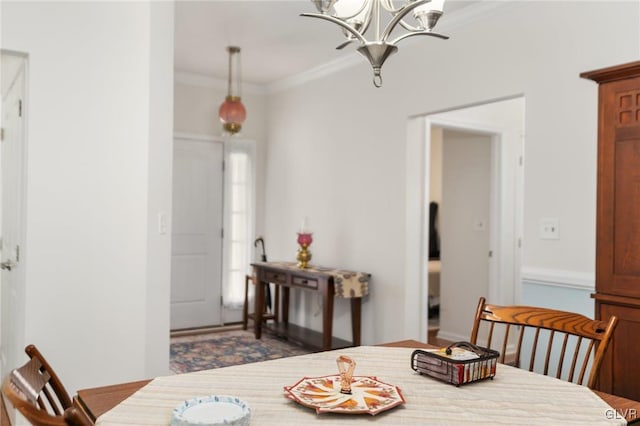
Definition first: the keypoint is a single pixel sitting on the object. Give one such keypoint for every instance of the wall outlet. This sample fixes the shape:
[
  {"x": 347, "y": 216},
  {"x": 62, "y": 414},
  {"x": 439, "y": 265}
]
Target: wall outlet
[{"x": 549, "y": 228}]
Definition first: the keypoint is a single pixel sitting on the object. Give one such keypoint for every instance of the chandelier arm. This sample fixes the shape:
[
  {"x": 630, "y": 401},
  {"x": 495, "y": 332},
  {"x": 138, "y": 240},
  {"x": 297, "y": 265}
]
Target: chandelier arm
[
  {"x": 424, "y": 33},
  {"x": 339, "y": 22},
  {"x": 401, "y": 14},
  {"x": 389, "y": 7},
  {"x": 345, "y": 43},
  {"x": 409, "y": 27}
]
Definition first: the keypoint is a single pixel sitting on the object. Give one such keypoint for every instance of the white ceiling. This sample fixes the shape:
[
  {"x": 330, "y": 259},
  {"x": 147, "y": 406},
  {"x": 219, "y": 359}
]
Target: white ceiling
[{"x": 276, "y": 42}]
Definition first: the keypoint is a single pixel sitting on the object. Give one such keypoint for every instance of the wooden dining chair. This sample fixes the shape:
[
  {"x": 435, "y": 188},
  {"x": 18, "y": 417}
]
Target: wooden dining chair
[
  {"x": 566, "y": 339},
  {"x": 37, "y": 393}
]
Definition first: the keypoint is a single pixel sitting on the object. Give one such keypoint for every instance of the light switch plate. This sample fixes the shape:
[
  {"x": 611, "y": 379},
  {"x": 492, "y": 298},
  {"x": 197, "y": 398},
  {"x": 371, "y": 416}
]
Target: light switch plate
[{"x": 549, "y": 228}]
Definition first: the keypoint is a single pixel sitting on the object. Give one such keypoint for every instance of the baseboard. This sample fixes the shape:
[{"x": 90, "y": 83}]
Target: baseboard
[
  {"x": 204, "y": 330},
  {"x": 452, "y": 337}
]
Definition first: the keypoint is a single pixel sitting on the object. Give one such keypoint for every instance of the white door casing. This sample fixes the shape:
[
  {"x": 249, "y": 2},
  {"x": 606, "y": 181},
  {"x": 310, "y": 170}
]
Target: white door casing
[
  {"x": 196, "y": 259},
  {"x": 506, "y": 222},
  {"x": 12, "y": 208}
]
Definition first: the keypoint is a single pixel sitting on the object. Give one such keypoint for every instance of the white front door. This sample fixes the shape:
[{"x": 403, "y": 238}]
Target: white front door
[
  {"x": 11, "y": 210},
  {"x": 196, "y": 260}
]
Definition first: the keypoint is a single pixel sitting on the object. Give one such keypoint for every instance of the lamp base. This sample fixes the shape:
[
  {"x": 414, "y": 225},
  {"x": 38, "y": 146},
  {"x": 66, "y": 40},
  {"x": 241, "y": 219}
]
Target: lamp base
[{"x": 304, "y": 256}]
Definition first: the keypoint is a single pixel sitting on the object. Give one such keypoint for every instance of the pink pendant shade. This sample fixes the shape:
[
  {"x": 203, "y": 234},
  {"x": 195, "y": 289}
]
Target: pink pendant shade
[{"x": 232, "y": 114}]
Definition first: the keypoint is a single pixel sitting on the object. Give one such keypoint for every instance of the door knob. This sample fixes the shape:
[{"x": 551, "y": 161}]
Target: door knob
[{"x": 8, "y": 264}]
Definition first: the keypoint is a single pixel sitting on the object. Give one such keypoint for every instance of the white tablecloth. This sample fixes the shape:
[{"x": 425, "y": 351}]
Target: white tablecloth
[{"x": 513, "y": 397}]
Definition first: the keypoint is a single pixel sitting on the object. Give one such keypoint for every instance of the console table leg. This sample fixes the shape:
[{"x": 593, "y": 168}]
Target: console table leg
[
  {"x": 285, "y": 305},
  {"x": 259, "y": 308},
  {"x": 327, "y": 316},
  {"x": 356, "y": 315}
]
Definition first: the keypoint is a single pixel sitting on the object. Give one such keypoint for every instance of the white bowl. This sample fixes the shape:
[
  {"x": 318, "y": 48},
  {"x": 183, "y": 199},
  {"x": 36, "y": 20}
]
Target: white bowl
[{"x": 212, "y": 410}]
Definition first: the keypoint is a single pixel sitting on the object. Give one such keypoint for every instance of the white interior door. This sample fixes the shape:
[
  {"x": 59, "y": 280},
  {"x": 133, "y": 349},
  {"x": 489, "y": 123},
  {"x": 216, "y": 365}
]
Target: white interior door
[
  {"x": 196, "y": 260},
  {"x": 12, "y": 165},
  {"x": 465, "y": 231}
]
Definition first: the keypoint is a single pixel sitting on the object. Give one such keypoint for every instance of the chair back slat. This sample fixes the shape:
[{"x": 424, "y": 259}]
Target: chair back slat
[
  {"x": 549, "y": 346},
  {"x": 585, "y": 361},
  {"x": 574, "y": 361},
  {"x": 562, "y": 354},
  {"x": 557, "y": 325},
  {"x": 504, "y": 342},
  {"x": 50, "y": 402},
  {"x": 519, "y": 347},
  {"x": 490, "y": 336},
  {"x": 534, "y": 349}
]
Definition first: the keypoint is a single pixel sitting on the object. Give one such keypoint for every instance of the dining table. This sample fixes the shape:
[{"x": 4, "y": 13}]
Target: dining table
[{"x": 514, "y": 396}]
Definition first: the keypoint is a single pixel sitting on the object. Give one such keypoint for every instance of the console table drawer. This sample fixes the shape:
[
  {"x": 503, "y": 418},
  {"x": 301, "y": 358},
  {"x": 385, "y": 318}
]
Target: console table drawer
[
  {"x": 275, "y": 277},
  {"x": 304, "y": 282}
]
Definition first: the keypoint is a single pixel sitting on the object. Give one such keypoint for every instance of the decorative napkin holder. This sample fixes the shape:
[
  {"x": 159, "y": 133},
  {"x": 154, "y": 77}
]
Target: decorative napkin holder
[{"x": 458, "y": 364}]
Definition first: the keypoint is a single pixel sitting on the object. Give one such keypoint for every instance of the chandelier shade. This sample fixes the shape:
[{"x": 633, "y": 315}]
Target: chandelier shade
[
  {"x": 232, "y": 112},
  {"x": 356, "y": 16}
]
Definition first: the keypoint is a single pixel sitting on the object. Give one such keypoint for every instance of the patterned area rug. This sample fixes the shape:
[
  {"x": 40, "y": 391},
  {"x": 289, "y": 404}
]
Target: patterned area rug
[{"x": 222, "y": 349}]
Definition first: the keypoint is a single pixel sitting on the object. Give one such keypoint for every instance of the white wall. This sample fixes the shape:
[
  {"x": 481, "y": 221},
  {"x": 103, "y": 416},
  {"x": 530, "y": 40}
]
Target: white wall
[
  {"x": 99, "y": 144},
  {"x": 342, "y": 162}
]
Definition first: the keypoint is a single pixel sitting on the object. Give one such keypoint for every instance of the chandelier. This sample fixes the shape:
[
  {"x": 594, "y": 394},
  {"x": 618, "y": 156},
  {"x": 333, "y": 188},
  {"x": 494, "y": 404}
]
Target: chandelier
[
  {"x": 232, "y": 113},
  {"x": 355, "y": 17}
]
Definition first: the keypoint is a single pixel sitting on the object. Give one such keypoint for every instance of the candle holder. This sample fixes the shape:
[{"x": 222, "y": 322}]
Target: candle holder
[{"x": 304, "y": 255}]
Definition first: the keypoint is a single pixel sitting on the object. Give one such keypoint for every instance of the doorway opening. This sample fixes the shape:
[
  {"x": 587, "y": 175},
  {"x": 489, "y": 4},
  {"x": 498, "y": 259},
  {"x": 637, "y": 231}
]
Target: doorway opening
[
  {"x": 212, "y": 230},
  {"x": 461, "y": 205},
  {"x": 479, "y": 214}
]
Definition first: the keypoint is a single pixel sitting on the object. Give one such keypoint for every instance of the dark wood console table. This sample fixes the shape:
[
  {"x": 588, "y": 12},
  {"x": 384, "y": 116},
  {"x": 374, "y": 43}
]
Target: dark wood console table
[{"x": 329, "y": 282}]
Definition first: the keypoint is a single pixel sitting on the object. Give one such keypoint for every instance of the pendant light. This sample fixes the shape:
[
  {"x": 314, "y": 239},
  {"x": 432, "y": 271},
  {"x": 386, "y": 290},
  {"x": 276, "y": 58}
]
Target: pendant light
[{"x": 232, "y": 113}]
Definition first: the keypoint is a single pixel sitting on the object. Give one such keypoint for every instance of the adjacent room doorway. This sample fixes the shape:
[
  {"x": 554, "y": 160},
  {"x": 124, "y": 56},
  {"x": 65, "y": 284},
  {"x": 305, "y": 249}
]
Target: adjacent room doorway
[
  {"x": 462, "y": 184},
  {"x": 503, "y": 121}
]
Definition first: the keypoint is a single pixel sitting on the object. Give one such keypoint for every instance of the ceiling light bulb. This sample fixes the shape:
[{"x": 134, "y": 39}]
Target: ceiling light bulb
[
  {"x": 432, "y": 5},
  {"x": 348, "y": 8}
]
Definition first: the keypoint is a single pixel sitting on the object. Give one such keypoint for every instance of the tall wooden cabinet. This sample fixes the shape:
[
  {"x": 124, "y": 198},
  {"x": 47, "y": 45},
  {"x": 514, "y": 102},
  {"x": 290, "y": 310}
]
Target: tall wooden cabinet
[{"x": 618, "y": 223}]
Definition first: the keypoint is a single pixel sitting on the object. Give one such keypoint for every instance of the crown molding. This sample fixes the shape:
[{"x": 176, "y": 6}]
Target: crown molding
[
  {"x": 200, "y": 80},
  {"x": 459, "y": 18}
]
